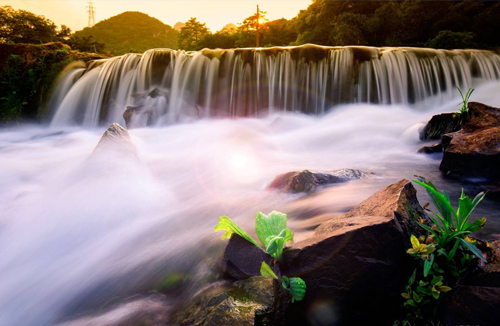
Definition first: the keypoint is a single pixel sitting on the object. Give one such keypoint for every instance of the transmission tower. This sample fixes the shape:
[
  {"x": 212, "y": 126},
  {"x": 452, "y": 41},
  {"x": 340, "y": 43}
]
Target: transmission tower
[{"x": 91, "y": 12}]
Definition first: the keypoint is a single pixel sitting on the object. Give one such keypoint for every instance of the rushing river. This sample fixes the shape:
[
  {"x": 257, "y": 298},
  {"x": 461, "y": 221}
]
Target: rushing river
[{"x": 84, "y": 241}]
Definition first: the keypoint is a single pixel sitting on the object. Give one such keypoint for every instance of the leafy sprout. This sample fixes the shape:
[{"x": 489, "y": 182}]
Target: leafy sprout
[
  {"x": 295, "y": 285},
  {"x": 465, "y": 100},
  {"x": 271, "y": 230},
  {"x": 451, "y": 224}
]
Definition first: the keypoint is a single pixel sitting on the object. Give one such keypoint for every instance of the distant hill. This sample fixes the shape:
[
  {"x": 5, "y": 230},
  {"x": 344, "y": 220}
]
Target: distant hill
[
  {"x": 178, "y": 26},
  {"x": 131, "y": 31},
  {"x": 230, "y": 28}
]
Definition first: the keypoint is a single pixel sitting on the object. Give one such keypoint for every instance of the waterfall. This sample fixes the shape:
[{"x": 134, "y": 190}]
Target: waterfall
[{"x": 164, "y": 86}]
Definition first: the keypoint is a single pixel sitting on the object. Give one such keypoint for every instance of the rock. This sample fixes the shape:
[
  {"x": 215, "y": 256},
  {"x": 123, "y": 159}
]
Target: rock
[
  {"x": 487, "y": 275},
  {"x": 473, "y": 305},
  {"x": 474, "y": 151},
  {"x": 356, "y": 265},
  {"x": 441, "y": 124},
  {"x": 307, "y": 181},
  {"x": 477, "y": 300},
  {"x": 116, "y": 139},
  {"x": 436, "y": 148},
  {"x": 249, "y": 302},
  {"x": 242, "y": 259}
]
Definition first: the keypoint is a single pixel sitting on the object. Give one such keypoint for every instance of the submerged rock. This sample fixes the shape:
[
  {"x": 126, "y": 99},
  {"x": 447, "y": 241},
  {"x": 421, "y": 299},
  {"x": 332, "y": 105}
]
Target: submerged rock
[
  {"x": 441, "y": 124},
  {"x": 249, "y": 302},
  {"x": 307, "y": 181},
  {"x": 474, "y": 151},
  {"x": 355, "y": 266}
]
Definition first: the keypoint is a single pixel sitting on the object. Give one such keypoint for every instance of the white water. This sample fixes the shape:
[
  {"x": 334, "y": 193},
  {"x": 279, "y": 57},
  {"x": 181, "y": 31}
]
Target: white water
[
  {"x": 247, "y": 82},
  {"x": 82, "y": 241},
  {"x": 69, "y": 226}
]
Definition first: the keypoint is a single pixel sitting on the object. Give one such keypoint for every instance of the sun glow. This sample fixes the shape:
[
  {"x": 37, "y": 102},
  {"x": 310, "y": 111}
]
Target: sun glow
[
  {"x": 215, "y": 13},
  {"x": 244, "y": 167}
]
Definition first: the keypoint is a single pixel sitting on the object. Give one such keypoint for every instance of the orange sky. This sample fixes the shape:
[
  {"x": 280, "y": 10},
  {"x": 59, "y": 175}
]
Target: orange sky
[{"x": 216, "y": 13}]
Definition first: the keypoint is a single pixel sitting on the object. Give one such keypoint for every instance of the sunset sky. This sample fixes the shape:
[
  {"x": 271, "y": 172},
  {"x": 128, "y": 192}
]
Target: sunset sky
[{"x": 215, "y": 13}]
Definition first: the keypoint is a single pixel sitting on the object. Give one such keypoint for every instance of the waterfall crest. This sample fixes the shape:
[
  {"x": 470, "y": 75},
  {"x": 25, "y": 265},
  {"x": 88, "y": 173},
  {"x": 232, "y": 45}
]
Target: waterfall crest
[{"x": 164, "y": 86}]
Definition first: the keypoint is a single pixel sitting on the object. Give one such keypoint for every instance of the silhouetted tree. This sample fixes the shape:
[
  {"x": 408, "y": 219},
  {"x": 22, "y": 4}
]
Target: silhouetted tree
[{"x": 191, "y": 34}]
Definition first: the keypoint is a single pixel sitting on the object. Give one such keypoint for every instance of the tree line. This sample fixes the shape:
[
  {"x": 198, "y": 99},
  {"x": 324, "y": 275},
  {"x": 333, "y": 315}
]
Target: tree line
[{"x": 438, "y": 24}]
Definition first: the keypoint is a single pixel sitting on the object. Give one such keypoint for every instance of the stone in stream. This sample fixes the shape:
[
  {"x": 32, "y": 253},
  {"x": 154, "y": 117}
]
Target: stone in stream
[
  {"x": 474, "y": 151},
  {"x": 249, "y": 302},
  {"x": 436, "y": 148},
  {"x": 307, "y": 181},
  {"x": 115, "y": 139},
  {"x": 243, "y": 259},
  {"x": 356, "y": 265},
  {"x": 441, "y": 124}
]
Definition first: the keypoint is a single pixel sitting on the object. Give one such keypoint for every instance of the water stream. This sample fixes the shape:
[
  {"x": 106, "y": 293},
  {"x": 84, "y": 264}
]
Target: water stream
[{"x": 83, "y": 241}]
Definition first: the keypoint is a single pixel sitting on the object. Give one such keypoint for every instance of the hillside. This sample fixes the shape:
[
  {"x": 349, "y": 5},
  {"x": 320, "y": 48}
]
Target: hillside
[{"x": 131, "y": 32}]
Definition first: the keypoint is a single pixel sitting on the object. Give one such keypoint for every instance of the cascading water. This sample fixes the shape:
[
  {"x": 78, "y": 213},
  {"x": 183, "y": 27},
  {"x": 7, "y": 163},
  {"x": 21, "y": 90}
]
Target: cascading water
[
  {"x": 166, "y": 86},
  {"x": 84, "y": 240}
]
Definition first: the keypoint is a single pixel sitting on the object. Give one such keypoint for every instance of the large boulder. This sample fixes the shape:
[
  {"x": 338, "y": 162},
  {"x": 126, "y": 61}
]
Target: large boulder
[
  {"x": 356, "y": 265},
  {"x": 307, "y": 181},
  {"x": 441, "y": 124},
  {"x": 249, "y": 302},
  {"x": 474, "y": 151}
]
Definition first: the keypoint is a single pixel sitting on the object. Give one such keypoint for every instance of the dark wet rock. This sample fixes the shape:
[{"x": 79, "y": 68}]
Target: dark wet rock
[
  {"x": 477, "y": 300},
  {"x": 116, "y": 139},
  {"x": 441, "y": 124},
  {"x": 307, "y": 181},
  {"x": 474, "y": 151},
  {"x": 487, "y": 274},
  {"x": 248, "y": 302},
  {"x": 473, "y": 305},
  {"x": 243, "y": 259},
  {"x": 436, "y": 148},
  {"x": 356, "y": 265}
]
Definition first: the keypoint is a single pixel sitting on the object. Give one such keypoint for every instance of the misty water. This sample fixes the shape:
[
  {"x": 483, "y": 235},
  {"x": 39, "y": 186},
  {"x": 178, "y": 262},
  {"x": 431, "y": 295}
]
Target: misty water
[{"x": 85, "y": 240}]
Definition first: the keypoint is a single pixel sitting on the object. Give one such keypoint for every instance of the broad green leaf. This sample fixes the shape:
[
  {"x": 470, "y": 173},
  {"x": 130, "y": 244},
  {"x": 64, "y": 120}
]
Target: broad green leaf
[
  {"x": 296, "y": 286},
  {"x": 436, "y": 280},
  {"x": 415, "y": 243},
  {"x": 266, "y": 270},
  {"x": 441, "y": 201},
  {"x": 272, "y": 232},
  {"x": 474, "y": 249},
  {"x": 451, "y": 254},
  {"x": 428, "y": 265},
  {"x": 228, "y": 225}
]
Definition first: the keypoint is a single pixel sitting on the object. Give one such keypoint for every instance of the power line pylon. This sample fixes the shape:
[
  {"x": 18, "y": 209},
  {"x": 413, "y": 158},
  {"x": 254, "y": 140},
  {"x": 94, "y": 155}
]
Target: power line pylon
[{"x": 91, "y": 12}]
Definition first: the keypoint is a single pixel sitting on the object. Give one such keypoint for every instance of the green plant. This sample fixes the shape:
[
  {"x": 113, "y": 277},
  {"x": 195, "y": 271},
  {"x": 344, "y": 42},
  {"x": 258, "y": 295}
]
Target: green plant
[
  {"x": 445, "y": 253},
  {"x": 452, "y": 225},
  {"x": 295, "y": 285},
  {"x": 464, "y": 110},
  {"x": 274, "y": 235},
  {"x": 271, "y": 230}
]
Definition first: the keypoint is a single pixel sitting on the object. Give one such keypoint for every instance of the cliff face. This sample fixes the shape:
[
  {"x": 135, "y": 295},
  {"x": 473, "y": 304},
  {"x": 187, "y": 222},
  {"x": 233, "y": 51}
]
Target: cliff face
[{"x": 27, "y": 74}]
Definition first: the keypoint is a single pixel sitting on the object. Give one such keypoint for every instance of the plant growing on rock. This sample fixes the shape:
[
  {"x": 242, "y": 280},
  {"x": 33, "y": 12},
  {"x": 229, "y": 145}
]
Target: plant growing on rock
[
  {"x": 295, "y": 285},
  {"x": 271, "y": 230},
  {"x": 464, "y": 110},
  {"x": 445, "y": 253},
  {"x": 274, "y": 235}
]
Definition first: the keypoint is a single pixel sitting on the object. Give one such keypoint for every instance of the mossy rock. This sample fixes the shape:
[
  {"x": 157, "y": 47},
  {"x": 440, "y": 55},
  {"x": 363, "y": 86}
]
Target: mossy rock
[{"x": 247, "y": 302}]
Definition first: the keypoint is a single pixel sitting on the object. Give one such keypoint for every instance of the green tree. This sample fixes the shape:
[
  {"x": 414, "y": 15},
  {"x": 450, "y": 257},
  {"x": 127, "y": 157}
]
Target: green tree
[
  {"x": 452, "y": 40},
  {"x": 20, "y": 26},
  {"x": 191, "y": 35}
]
